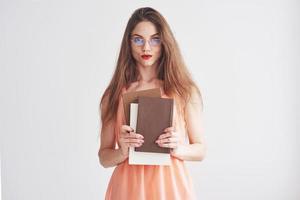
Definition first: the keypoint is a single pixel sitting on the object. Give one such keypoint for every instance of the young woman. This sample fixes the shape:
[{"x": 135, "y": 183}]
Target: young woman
[{"x": 150, "y": 58}]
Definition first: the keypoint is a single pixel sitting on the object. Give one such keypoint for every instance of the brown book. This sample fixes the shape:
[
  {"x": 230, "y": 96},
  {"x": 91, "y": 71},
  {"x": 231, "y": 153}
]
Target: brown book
[
  {"x": 132, "y": 97},
  {"x": 154, "y": 115}
]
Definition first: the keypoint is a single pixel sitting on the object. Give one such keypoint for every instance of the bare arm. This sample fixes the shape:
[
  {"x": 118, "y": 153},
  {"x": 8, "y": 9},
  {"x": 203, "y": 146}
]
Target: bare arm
[
  {"x": 108, "y": 155},
  {"x": 196, "y": 149}
]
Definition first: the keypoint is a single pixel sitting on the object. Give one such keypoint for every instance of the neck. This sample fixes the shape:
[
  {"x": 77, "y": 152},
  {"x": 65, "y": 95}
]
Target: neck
[{"x": 147, "y": 74}]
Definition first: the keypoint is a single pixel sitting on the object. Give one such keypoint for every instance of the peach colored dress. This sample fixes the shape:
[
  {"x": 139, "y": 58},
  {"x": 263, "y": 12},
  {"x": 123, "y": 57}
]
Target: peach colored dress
[{"x": 149, "y": 182}]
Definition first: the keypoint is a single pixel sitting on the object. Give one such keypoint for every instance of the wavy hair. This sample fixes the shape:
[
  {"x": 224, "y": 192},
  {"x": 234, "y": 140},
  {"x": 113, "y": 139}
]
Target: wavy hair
[{"x": 177, "y": 81}]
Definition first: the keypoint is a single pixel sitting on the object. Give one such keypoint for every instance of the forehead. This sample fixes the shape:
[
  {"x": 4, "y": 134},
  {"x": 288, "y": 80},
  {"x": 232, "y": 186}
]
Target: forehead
[{"x": 145, "y": 29}]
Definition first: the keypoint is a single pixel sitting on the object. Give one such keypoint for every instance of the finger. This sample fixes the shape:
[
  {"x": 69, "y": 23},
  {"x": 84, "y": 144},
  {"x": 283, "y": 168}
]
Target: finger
[
  {"x": 135, "y": 144},
  {"x": 169, "y": 145},
  {"x": 126, "y": 128},
  {"x": 165, "y": 135},
  {"x": 133, "y": 135},
  {"x": 168, "y": 134},
  {"x": 168, "y": 140},
  {"x": 138, "y": 135},
  {"x": 132, "y": 144},
  {"x": 172, "y": 128},
  {"x": 129, "y": 140}
]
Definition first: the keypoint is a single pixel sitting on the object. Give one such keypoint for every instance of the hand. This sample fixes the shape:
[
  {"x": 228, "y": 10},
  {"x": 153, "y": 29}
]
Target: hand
[
  {"x": 169, "y": 139},
  {"x": 128, "y": 138}
]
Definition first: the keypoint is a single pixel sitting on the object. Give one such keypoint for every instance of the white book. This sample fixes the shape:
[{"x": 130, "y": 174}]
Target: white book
[{"x": 144, "y": 158}]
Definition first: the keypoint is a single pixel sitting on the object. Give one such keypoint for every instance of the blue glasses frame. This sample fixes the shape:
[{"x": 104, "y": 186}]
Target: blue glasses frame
[{"x": 139, "y": 41}]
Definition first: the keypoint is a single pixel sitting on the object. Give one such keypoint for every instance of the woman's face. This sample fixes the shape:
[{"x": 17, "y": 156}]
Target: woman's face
[{"x": 145, "y": 44}]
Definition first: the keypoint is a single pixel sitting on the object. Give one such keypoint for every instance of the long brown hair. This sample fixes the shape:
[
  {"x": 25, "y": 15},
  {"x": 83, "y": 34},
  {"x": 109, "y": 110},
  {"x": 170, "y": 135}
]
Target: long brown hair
[{"x": 177, "y": 81}]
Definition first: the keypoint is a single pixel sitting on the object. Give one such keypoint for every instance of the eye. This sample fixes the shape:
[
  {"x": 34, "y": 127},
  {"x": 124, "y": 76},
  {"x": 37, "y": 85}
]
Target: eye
[
  {"x": 138, "y": 40},
  {"x": 155, "y": 41}
]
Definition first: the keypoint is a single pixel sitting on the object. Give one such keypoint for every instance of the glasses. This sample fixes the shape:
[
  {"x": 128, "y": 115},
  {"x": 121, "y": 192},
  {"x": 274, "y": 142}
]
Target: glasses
[{"x": 141, "y": 42}]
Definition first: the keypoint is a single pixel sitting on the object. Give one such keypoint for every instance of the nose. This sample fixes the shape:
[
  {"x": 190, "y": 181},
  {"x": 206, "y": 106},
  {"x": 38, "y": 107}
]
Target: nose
[{"x": 146, "y": 46}]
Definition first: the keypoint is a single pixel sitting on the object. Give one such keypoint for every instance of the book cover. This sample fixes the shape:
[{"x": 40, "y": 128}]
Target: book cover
[
  {"x": 154, "y": 115},
  {"x": 144, "y": 158},
  {"x": 132, "y": 97}
]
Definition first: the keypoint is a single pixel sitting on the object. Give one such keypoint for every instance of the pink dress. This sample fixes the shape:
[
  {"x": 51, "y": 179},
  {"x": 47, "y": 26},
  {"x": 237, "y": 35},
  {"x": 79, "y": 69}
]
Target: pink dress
[{"x": 149, "y": 182}]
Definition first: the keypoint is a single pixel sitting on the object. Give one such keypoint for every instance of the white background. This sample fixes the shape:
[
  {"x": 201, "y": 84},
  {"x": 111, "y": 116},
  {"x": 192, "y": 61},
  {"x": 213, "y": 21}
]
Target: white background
[{"x": 57, "y": 57}]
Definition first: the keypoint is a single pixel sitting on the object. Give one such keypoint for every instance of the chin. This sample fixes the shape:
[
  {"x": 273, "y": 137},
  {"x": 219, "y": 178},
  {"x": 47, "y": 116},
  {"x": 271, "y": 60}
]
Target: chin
[{"x": 147, "y": 64}]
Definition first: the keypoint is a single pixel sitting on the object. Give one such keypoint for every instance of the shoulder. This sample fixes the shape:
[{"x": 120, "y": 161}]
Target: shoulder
[
  {"x": 104, "y": 102},
  {"x": 194, "y": 105},
  {"x": 195, "y": 97}
]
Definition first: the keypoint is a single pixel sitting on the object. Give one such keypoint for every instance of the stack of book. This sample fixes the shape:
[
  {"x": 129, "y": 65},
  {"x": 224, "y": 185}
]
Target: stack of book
[{"x": 148, "y": 114}]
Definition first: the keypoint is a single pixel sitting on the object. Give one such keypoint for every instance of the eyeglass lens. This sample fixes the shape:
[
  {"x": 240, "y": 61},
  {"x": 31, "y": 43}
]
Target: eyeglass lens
[{"x": 140, "y": 41}]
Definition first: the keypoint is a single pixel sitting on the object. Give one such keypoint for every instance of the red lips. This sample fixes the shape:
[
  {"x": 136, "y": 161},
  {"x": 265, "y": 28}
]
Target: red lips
[{"x": 146, "y": 57}]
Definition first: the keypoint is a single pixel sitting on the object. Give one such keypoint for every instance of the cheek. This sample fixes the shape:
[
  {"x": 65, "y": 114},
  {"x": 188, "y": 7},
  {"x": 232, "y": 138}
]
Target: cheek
[
  {"x": 135, "y": 53},
  {"x": 158, "y": 53}
]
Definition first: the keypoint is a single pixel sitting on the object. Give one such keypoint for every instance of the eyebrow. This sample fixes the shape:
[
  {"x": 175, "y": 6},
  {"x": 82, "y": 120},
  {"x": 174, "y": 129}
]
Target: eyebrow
[{"x": 142, "y": 36}]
